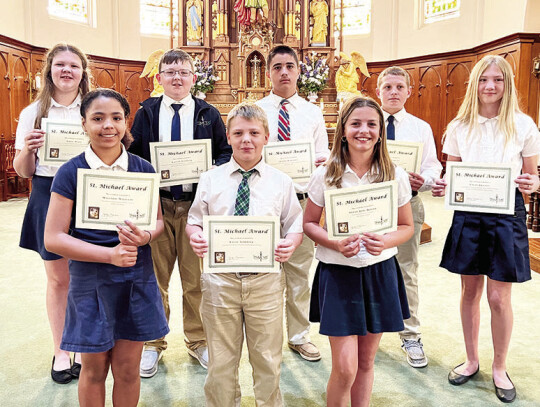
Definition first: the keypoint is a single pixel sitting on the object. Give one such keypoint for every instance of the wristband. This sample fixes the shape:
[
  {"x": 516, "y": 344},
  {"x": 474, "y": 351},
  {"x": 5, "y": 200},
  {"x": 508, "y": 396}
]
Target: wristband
[{"x": 149, "y": 236}]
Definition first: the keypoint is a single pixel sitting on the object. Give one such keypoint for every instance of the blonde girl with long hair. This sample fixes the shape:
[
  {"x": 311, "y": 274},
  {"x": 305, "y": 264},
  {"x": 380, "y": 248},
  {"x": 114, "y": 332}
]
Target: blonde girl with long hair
[
  {"x": 65, "y": 80},
  {"x": 490, "y": 128},
  {"x": 358, "y": 292}
]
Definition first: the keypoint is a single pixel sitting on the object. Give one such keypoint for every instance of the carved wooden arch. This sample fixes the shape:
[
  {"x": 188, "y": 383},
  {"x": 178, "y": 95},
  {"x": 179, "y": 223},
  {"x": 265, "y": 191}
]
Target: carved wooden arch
[
  {"x": 422, "y": 76},
  {"x": 103, "y": 76},
  {"x": 21, "y": 83},
  {"x": 453, "y": 70},
  {"x": 509, "y": 57}
]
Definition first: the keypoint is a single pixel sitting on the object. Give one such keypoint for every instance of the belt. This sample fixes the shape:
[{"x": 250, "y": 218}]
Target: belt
[
  {"x": 301, "y": 197},
  {"x": 244, "y": 275},
  {"x": 414, "y": 193},
  {"x": 184, "y": 196}
]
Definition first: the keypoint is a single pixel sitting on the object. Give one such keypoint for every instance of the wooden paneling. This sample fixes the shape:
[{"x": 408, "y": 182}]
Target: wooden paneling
[
  {"x": 5, "y": 97},
  {"x": 19, "y": 62},
  {"x": 134, "y": 88}
]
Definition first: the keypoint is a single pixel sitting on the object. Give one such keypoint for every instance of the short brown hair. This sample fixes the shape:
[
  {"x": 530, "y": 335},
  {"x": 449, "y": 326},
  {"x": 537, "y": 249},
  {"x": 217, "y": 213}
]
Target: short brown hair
[
  {"x": 281, "y": 49},
  {"x": 175, "y": 55},
  {"x": 394, "y": 70}
]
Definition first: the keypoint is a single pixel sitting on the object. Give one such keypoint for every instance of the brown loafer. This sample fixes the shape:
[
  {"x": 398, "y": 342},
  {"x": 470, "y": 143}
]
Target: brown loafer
[{"x": 307, "y": 350}]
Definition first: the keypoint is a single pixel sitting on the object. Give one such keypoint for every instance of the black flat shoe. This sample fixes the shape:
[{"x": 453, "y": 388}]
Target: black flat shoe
[
  {"x": 505, "y": 395},
  {"x": 75, "y": 369},
  {"x": 457, "y": 379},
  {"x": 61, "y": 376}
]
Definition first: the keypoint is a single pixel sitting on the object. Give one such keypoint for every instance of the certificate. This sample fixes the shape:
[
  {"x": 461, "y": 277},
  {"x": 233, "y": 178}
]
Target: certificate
[
  {"x": 64, "y": 140},
  {"x": 181, "y": 162},
  {"x": 294, "y": 158},
  {"x": 475, "y": 187},
  {"x": 406, "y": 154},
  {"x": 107, "y": 198},
  {"x": 365, "y": 208},
  {"x": 241, "y": 244}
]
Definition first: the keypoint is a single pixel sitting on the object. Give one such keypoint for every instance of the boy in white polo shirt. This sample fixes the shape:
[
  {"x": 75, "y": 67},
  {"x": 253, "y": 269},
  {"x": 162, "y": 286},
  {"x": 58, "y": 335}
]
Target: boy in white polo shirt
[
  {"x": 234, "y": 302},
  {"x": 393, "y": 89}
]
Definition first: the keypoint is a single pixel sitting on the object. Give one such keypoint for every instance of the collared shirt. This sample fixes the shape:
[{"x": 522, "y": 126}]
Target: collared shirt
[
  {"x": 271, "y": 193},
  {"x": 95, "y": 163},
  {"x": 411, "y": 128},
  {"x": 317, "y": 186},
  {"x": 486, "y": 144},
  {"x": 306, "y": 122},
  {"x": 56, "y": 111},
  {"x": 166, "y": 113}
]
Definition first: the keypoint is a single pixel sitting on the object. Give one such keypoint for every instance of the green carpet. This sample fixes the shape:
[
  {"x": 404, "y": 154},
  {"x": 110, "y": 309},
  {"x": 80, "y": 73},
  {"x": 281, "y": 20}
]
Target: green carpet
[{"x": 26, "y": 342}]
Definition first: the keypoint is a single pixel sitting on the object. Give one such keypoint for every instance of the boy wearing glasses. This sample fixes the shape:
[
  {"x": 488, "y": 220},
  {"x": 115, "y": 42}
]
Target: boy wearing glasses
[{"x": 177, "y": 116}]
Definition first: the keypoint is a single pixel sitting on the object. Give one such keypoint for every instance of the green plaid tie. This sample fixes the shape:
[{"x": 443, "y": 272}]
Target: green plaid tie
[{"x": 241, "y": 207}]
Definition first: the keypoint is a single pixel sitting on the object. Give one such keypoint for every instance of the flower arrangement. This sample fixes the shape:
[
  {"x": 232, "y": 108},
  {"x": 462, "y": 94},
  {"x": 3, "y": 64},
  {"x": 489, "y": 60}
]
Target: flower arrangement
[
  {"x": 313, "y": 74},
  {"x": 206, "y": 77}
]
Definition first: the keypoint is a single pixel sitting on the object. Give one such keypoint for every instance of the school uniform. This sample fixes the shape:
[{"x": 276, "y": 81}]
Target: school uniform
[
  {"x": 105, "y": 302},
  {"x": 33, "y": 227},
  {"x": 411, "y": 128},
  {"x": 363, "y": 293},
  {"x": 306, "y": 123},
  {"x": 231, "y": 303},
  {"x": 494, "y": 245}
]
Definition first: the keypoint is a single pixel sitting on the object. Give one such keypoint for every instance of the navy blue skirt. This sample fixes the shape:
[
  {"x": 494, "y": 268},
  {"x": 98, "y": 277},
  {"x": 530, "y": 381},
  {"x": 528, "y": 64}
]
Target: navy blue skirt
[
  {"x": 489, "y": 244},
  {"x": 33, "y": 227},
  {"x": 107, "y": 303},
  {"x": 354, "y": 301}
]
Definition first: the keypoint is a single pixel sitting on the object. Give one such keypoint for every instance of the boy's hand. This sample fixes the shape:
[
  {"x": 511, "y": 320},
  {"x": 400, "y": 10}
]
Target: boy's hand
[
  {"x": 373, "y": 243},
  {"x": 284, "y": 250},
  {"x": 350, "y": 246},
  {"x": 198, "y": 244},
  {"x": 439, "y": 188},
  {"x": 527, "y": 183},
  {"x": 124, "y": 255},
  {"x": 132, "y": 235},
  {"x": 416, "y": 181}
]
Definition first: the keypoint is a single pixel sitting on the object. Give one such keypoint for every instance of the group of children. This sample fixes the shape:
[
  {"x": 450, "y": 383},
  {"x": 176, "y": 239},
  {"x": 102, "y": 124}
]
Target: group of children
[{"x": 117, "y": 303}]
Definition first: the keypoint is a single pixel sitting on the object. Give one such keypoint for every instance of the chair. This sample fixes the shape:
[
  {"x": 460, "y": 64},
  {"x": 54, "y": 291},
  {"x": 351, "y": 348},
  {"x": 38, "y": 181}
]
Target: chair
[{"x": 13, "y": 186}]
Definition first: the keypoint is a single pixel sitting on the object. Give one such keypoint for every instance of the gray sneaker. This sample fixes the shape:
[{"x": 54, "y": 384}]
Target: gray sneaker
[
  {"x": 149, "y": 362},
  {"x": 201, "y": 354},
  {"x": 415, "y": 352}
]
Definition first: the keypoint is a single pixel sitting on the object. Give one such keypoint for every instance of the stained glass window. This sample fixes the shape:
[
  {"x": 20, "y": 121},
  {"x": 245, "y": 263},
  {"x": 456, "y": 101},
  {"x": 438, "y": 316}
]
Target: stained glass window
[
  {"x": 437, "y": 10},
  {"x": 74, "y": 10},
  {"x": 356, "y": 17},
  {"x": 156, "y": 16}
]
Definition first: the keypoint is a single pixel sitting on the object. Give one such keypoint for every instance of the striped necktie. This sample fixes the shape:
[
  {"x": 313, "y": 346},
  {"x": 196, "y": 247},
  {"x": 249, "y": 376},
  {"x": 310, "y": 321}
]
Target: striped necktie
[
  {"x": 284, "y": 127},
  {"x": 241, "y": 206}
]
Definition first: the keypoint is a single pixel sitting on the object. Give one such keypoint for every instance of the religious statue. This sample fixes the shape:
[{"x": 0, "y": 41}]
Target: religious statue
[
  {"x": 151, "y": 69},
  {"x": 318, "y": 9},
  {"x": 194, "y": 13},
  {"x": 346, "y": 77},
  {"x": 251, "y": 11}
]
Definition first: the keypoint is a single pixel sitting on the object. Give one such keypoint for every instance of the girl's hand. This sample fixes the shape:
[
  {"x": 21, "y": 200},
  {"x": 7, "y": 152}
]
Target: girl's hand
[
  {"x": 132, "y": 235},
  {"x": 284, "y": 250},
  {"x": 373, "y": 242},
  {"x": 527, "y": 183},
  {"x": 34, "y": 139},
  {"x": 124, "y": 255},
  {"x": 198, "y": 244},
  {"x": 439, "y": 188},
  {"x": 416, "y": 181},
  {"x": 350, "y": 246},
  {"x": 319, "y": 161}
]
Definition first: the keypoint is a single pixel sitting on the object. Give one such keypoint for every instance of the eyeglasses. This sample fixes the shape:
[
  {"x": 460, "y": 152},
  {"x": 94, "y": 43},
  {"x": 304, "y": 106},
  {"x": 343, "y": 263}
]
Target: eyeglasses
[{"x": 170, "y": 73}]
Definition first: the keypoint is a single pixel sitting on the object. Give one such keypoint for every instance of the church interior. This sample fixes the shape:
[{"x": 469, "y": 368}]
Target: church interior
[{"x": 437, "y": 42}]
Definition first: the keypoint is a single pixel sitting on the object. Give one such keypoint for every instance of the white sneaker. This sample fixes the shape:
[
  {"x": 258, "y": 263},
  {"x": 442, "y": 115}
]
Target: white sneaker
[
  {"x": 149, "y": 362},
  {"x": 415, "y": 352},
  {"x": 201, "y": 354}
]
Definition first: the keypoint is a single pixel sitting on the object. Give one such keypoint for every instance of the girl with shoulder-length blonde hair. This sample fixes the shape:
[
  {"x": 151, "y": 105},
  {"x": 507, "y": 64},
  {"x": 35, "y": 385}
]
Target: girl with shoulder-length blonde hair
[
  {"x": 65, "y": 80},
  {"x": 490, "y": 128},
  {"x": 358, "y": 291}
]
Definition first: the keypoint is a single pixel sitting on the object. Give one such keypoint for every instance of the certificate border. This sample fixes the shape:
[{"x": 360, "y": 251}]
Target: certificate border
[
  {"x": 332, "y": 226},
  {"x": 413, "y": 145},
  {"x": 43, "y": 159},
  {"x": 156, "y": 146},
  {"x": 277, "y": 144},
  {"x": 85, "y": 177},
  {"x": 209, "y": 266},
  {"x": 459, "y": 206}
]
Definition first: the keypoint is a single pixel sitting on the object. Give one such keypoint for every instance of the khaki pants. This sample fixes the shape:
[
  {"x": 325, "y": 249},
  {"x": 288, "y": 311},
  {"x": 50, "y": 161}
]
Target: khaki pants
[
  {"x": 230, "y": 306},
  {"x": 174, "y": 243},
  {"x": 296, "y": 274},
  {"x": 408, "y": 262}
]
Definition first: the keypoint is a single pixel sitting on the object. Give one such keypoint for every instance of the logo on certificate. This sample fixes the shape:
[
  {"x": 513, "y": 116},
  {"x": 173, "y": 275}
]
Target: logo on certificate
[
  {"x": 343, "y": 227},
  {"x": 219, "y": 257},
  {"x": 93, "y": 212},
  {"x": 381, "y": 221},
  {"x": 165, "y": 174},
  {"x": 260, "y": 257},
  {"x": 459, "y": 197},
  {"x": 137, "y": 215},
  {"x": 54, "y": 153},
  {"x": 497, "y": 199}
]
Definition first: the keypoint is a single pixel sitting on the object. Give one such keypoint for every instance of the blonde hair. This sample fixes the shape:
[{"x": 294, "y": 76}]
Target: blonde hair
[
  {"x": 249, "y": 111},
  {"x": 394, "y": 70},
  {"x": 469, "y": 109},
  {"x": 47, "y": 90},
  {"x": 381, "y": 164}
]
